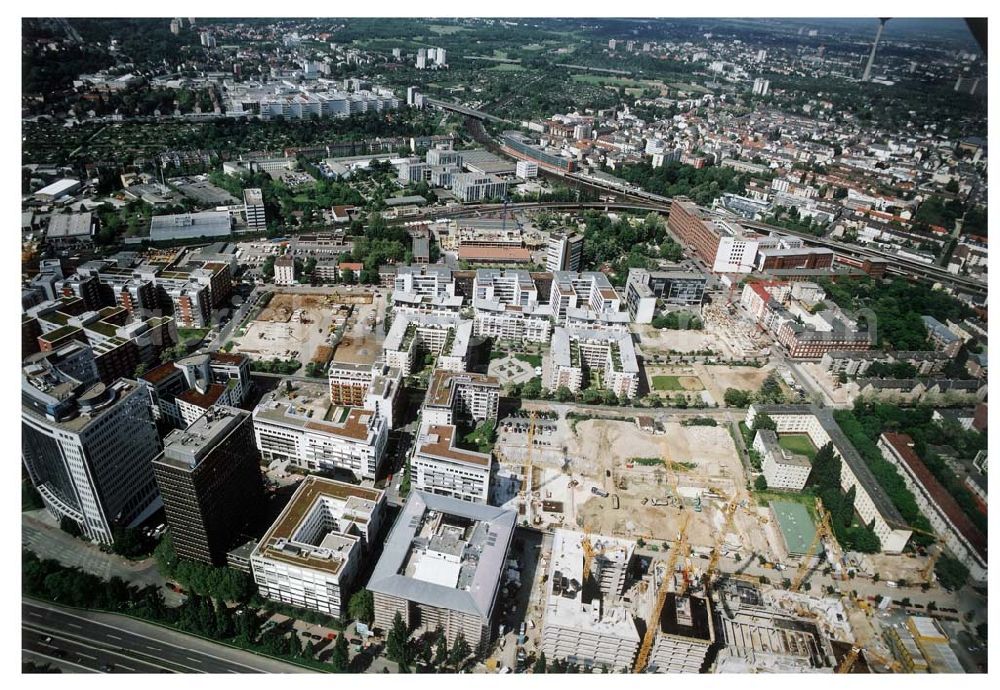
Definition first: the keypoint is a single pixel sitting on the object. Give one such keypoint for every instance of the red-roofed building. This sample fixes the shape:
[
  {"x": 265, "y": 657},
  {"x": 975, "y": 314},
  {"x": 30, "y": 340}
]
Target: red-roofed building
[
  {"x": 494, "y": 255},
  {"x": 756, "y": 296},
  {"x": 947, "y": 518}
]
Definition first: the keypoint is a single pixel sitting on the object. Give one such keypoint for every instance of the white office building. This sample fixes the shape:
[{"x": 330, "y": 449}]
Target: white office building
[
  {"x": 526, "y": 170},
  {"x": 253, "y": 206},
  {"x": 469, "y": 187},
  {"x": 297, "y": 422},
  {"x": 440, "y": 467},
  {"x": 564, "y": 252},
  {"x": 311, "y": 554},
  {"x": 284, "y": 270},
  {"x": 423, "y": 279},
  {"x": 88, "y": 449}
]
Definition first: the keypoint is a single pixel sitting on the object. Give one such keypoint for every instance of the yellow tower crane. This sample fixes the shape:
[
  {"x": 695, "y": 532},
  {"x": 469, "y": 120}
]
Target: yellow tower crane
[
  {"x": 927, "y": 573},
  {"x": 661, "y": 598},
  {"x": 847, "y": 663}
]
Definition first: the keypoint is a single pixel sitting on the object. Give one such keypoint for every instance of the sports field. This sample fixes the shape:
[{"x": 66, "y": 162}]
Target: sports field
[{"x": 666, "y": 382}]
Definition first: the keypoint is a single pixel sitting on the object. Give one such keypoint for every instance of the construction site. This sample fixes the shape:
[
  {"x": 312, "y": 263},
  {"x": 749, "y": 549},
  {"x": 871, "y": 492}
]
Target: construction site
[
  {"x": 304, "y": 326},
  {"x": 614, "y": 478}
]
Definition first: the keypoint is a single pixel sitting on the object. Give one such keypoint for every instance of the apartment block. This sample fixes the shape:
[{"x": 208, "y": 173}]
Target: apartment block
[
  {"x": 782, "y": 468},
  {"x": 532, "y": 324},
  {"x": 871, "y": 501},
  {"x": 605, "y": 359},
  {"x": 445, "y": 337},
  {"x": 948, "y": 520},
  {"x": 460, "y": 394},
  {"x": 586, "y": 297},
  {"x": 349, "y": 383}
]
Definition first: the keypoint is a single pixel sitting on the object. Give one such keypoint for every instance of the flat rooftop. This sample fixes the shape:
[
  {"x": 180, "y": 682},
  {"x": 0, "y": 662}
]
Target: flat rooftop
[
  {"x": 294, "y": 538},
  {"x": 438, "y": 441},
  {"x": 186, "y": 448},
  {"x": 441, "y": 389},
  {"x": 445, "y": 553},
  {"x": 565, "y": 605},
  {"x": 308, "y": 406}
]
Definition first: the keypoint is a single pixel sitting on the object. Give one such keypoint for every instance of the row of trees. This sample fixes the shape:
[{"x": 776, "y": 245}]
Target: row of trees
[
  {"x": 885, "y": 473},
  {"x": 276, "y": 366},
  {"x": 430, "y": 652},
  {"x": 874, "y": 418},
  {"x": 898, "y": 306},
  {"x": 703, "y": 185},
  {"x": 209, "y": 615},
  {"x": 824, "y": 479},
  {"x": 224, "y": 584}
]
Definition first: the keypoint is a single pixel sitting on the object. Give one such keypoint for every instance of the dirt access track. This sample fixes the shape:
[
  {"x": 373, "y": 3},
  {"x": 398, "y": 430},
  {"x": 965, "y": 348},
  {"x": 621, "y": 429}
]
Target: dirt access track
[{"x": 284, "y": 304}]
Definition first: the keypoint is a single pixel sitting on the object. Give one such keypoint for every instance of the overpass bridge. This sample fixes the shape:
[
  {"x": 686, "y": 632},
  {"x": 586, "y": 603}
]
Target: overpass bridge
[{"x": 463, "y": 110}]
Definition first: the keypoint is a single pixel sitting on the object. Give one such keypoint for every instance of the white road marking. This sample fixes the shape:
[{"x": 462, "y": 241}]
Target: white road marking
[
  {"x": 197, "y": 661},
  {"x": 114, "y": 637},
  {"x": 126, "y": 667},
  {"x": 85, "y": 655},
  {"x": 74, "y": 625}
]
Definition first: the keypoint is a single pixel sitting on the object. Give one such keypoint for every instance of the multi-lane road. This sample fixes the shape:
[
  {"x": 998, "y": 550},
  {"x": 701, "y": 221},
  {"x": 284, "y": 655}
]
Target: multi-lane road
[{"x": 93, "y": 642}]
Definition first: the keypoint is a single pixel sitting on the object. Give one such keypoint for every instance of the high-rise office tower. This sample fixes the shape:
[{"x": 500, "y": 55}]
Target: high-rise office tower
[
  {"x": 88, "y": 449},
  {"x": 210, "y": 480}
]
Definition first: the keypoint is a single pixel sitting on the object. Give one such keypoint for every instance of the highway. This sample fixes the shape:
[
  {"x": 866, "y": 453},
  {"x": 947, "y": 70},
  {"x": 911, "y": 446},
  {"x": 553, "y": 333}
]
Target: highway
[{"x": 107, "y": 643}]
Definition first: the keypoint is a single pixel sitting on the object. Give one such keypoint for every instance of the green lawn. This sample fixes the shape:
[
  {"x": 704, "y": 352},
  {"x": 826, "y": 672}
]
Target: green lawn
[
  {"x": 764, "y": 498},
  {"x": 191, "y": 333},
  {"x": 507, "y": 67},
  {"x": 446, "y": 29},
  {"x": 798, "y": 443},
  {"x": 533, "y": 360},
  {"x": 667, "y": 383}
]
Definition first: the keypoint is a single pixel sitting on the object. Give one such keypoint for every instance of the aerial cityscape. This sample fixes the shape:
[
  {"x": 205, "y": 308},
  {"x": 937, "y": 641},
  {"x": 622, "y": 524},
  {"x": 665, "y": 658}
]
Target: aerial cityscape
[{"x": 504, "y": 345}]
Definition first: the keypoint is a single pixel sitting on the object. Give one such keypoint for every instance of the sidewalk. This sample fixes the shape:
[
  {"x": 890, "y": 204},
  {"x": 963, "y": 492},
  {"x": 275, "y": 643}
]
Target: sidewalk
[{"x": 41, "y": 534}]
